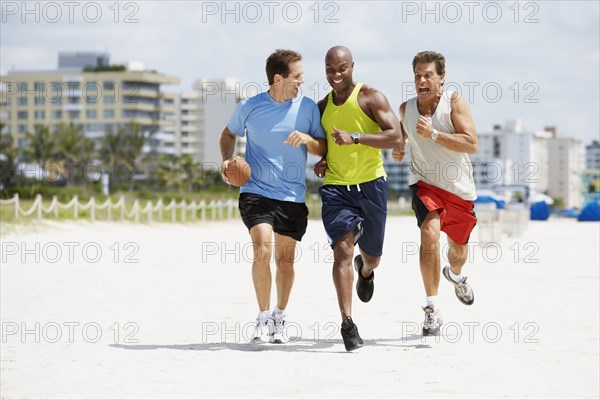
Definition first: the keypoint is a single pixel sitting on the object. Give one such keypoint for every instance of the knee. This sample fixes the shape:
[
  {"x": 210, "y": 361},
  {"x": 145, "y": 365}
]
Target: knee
[
  {"x": 285, "y": 265},
  {"x": 457, "y": 254},
  {"x": 430, "y": 235},
  {"x": 342, "y": 256},
  {"x": 262, "y": 252}
]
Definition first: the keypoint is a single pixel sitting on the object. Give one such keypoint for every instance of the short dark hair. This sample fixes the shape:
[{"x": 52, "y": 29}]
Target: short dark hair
[
  {"x": 279, "y": 63},
  {"x": 426, "y": 57}
]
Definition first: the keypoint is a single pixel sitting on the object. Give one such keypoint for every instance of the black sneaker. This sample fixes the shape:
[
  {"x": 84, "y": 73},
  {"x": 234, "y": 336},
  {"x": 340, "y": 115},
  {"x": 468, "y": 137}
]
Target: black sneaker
[
  {"x": 352, "y": 339},
  {"x": 364, "y": 287}
]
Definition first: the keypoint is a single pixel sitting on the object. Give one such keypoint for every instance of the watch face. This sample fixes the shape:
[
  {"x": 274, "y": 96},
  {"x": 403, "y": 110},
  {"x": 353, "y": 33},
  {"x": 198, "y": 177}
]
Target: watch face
[{"x": 355, "y": 136}]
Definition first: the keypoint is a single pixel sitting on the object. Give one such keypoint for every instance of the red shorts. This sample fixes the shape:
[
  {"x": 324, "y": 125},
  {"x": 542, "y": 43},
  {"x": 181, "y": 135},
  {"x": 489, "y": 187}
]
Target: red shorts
[{"x": 457, "y": 217}]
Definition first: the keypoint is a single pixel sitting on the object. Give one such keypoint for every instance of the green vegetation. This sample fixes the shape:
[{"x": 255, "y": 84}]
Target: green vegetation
[
  {"x": 106, "y": 68},
  {"x": 65, "y": 163}
]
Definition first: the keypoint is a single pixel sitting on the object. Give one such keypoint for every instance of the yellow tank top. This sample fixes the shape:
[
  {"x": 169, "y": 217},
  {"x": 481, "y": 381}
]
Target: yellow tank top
[{"x": 356, "y": 163}]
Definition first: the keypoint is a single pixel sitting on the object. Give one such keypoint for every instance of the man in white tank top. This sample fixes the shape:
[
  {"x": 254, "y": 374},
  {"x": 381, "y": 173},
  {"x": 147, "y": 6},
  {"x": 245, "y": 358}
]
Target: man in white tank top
[{"x": 441, "y": 133}]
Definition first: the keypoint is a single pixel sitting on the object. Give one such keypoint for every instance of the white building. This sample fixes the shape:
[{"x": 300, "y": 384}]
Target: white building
[
  {"x": 592, "y": 155},
  {"x": 511, "y": 156},
  {"x": 566, "y": 167},
  {"x": 200, "y": 116}
]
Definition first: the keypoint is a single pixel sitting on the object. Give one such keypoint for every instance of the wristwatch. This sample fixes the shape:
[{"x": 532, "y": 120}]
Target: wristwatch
[
  {"x": 355, "y": 137},
  {"x": 434, "y": 134}
]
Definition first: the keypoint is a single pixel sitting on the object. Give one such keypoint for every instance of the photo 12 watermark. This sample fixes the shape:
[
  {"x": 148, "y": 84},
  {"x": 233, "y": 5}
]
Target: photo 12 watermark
[
  {"x": 490, "y": 332},
  {"x": 69, "y": 332},
  {"x": 253, "y": 12},
  {"x": 452, "y": 12},
  {"x": 52, "y": 12},
  {"x": 69, "y": 252},
  {"x": 525, "y": 252}
]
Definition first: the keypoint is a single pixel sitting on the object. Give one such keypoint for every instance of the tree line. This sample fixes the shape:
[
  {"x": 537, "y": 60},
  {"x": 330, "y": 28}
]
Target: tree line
[{"x": 67, "y": 157}]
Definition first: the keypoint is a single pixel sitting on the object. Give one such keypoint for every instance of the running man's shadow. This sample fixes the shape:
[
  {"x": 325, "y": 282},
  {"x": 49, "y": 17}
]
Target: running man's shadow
[{"x": 295, "y": 344}]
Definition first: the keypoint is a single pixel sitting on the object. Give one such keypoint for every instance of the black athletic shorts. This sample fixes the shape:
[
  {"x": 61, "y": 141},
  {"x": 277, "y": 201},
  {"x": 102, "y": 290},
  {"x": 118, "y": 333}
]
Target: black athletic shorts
[{"x": 286, "y": 217}]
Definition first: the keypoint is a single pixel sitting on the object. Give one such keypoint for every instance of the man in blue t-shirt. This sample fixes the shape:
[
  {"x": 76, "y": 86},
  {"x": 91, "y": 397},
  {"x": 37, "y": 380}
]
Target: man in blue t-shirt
[{"x": 280, "y": 127}]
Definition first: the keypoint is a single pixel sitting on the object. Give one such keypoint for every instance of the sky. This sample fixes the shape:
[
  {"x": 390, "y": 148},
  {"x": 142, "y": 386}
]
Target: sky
[{"x": 537, "y": 61}]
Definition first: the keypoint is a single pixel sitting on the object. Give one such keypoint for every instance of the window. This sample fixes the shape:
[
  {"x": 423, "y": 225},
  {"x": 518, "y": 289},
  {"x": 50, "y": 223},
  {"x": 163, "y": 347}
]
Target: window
[
  {"x": 92, "y": 92},
  {"x": 73, "y": 114},
  {"x": 57, "y": 114},
  {"x": 22, "y": 128},
  {"x": 109, "y": 85},
  {"x": 92, "y": 114},
  {"x": 110, "y": 113},
  {"x": 39, "y": 115},
  {"x": 109, "y": 99},
  {"x": 22, "y": 101},
  {"x": 22, "y": 143},
  {"x": 22, "y": 115}
]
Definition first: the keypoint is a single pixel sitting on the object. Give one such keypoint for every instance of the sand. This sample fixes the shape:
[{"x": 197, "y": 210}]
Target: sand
[{"x": 109, "y": 310}]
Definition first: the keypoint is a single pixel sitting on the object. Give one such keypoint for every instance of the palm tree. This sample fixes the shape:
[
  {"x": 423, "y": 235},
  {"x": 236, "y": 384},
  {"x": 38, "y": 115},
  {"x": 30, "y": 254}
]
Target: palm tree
[
  {"x": 112, "y": 148},
  {"x": 170, "y": 174},
  {"x": 134, "y": 140},
  {"x": 41, "y": 145},
  {"x": 75, "y": 151},
  {"x": 41, "y": 150},
  {"x": 7, "y": 158}
]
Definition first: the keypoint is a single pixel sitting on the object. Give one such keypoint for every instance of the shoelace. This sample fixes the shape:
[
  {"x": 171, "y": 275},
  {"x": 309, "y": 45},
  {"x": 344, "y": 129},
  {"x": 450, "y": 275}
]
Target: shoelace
[
  {"x": 463, "y": 288},
  {"x": 431, "y": 318}
]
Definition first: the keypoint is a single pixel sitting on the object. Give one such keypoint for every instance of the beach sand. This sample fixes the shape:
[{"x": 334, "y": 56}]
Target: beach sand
[{"x": 109, "y": 310}]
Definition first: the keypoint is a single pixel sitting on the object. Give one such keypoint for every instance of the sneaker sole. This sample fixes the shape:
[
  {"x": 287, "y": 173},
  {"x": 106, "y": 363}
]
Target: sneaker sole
[
  {"x": 354, "y": 348},
  {"x": 427, "y": 332},
  {"x": 259, "y": 340}
]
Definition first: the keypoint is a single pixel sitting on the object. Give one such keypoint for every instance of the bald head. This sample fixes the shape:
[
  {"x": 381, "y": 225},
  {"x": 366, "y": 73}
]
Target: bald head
[{"x": 337, "y": 54}]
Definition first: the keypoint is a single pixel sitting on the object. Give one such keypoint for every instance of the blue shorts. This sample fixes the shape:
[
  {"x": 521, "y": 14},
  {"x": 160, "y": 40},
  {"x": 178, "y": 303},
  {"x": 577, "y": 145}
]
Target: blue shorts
[{"x": 362, "y": 206}]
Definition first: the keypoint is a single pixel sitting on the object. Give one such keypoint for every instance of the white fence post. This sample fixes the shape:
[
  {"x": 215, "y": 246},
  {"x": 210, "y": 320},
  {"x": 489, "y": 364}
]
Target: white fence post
[
  {"x": 75, "y": 205},
  {"x": 55, "y": 204},
  {"x": 92, "y": 204},
  {"x": 203, "y": 210},
  {"x": 122, "y": 201},
  {"x": 136, "y": 211},
  {"x": 38, "y": 200}
]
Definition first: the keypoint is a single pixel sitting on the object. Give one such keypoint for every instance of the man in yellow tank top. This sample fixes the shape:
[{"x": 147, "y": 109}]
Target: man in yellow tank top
[{"x": 358, "y": 122}]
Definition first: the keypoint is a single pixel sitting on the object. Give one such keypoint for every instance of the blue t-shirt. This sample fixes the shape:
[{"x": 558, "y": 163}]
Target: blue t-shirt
[{"x": 278, "y": 169}]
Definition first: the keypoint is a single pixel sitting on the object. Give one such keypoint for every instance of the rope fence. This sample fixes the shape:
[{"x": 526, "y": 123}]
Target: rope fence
[{"x": 152, "y": 211}]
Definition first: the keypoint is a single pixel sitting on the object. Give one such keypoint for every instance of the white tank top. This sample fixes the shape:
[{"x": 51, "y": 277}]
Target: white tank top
[{"x": 435, "y": 164}]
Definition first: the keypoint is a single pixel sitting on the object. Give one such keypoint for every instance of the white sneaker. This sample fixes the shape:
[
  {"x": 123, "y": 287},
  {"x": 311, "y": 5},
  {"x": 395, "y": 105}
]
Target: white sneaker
[
  {"x": 279, "y": 321},
  {"x": 433, "y": 321},
  {"x": 263, "y": 330}
]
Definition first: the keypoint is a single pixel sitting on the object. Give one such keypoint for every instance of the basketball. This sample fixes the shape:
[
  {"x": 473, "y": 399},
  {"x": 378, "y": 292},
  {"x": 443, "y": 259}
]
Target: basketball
[{"x": 238, "y": 171}]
